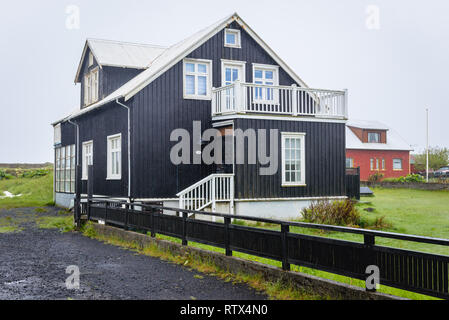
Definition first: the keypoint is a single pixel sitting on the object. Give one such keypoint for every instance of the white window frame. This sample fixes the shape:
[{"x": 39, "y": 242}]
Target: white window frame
[
  {"x": 91, "y": 59},
  {"x": 57, "y": 134},
  {"x": 275, "y": 80},
  {"x": 377, "y": 134},
  {"x": 91, "y": 86},
  {"x": 65, "y": 169},
  {"x": 208, "y": 74},
  {"x": 238, "y": 39},
  {"x": 232, "y": 63},
  {"x": 110, "y": 175},
  {"x": 402, "y": 165},
  {"x": 302, "y": 137},
  {"x": 351, "y": 162},
  {"x": 85, "y": 164}
]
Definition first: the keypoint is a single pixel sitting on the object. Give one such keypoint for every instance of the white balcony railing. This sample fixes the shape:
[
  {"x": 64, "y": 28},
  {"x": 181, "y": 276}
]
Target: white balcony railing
[{"x": 286, "y": 100}]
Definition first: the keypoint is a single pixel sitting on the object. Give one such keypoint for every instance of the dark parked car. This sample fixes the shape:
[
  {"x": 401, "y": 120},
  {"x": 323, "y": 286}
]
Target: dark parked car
[{"x": 443, "y": 172}]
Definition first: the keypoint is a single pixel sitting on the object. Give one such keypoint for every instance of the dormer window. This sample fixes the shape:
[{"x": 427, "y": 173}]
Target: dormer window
[
  {"x": 232, "y": 38},
  {"x": 373, "y": 137},
  {"x": 91, "y": 87}
]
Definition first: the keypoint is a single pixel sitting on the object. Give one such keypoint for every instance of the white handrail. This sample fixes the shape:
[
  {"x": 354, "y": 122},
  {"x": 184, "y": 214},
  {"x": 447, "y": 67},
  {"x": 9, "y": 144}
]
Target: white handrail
[
  {"x": 288, "y": 100},
  {"x": 208, "y": 191}
]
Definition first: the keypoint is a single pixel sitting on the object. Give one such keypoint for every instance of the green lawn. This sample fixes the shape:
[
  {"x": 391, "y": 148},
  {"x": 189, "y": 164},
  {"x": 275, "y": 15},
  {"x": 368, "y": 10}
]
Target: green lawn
[
  {"x": 408, "y": 211},
  {"x": 35, "y": 192}
]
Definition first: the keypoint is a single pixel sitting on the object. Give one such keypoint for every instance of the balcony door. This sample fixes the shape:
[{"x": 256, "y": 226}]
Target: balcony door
[{"x": 231, "y": 72}]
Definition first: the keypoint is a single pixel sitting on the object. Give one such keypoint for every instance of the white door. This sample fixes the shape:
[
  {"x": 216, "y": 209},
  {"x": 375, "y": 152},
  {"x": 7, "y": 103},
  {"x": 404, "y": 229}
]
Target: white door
[{"x": 231, "y": 72}]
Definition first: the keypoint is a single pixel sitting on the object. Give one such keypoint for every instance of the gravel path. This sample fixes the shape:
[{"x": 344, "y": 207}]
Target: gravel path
[{"x": 33, "y": 264}]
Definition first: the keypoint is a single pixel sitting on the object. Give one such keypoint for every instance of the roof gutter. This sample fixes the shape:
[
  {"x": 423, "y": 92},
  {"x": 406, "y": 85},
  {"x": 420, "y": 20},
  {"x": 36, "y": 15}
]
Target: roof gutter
[{"x": 129, "y": 144}]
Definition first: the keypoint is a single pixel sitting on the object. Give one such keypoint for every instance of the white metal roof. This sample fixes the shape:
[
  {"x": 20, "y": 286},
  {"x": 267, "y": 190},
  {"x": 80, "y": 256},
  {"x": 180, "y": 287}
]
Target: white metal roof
[
  {"x": 120, "y": 54},
  {"x": 174, "y": 54},
  {"x": 124, "y": 54},
  {"x": 365, "y": 124},
  {"x": 394, "y": 140}
]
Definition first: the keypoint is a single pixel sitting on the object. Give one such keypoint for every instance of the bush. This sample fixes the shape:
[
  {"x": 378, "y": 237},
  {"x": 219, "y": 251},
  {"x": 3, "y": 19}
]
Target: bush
[
  {"x": 340, "y": 212},
  {"x": 408, "y": 178},
  {"x": 376, "y": 177},
  {"x": 35, "y": 173},
  {"x": 5, "y": 175}
]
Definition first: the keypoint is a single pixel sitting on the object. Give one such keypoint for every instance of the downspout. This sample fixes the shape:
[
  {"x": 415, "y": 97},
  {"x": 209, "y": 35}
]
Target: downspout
[
  {"x": 77, "y": 192},
  {"x": 129, "y": 146}
]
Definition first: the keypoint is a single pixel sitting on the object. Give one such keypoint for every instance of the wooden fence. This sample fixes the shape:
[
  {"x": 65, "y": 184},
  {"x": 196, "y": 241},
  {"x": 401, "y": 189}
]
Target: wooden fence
[{"x": 405, "y": 269}]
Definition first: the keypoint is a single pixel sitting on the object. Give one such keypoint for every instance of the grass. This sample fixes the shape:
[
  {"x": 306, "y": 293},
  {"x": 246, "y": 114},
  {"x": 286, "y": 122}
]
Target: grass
[
  {"x": 35, "y": 192},
  {"x": 63, "y": 223},
  {"x": 275, "y": 290}
]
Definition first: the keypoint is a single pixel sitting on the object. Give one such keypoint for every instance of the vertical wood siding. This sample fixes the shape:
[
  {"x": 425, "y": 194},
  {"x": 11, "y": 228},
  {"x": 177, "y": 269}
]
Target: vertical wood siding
[
  {"x": 160, "y": 108},
  {"x": 325, "y": 161}
]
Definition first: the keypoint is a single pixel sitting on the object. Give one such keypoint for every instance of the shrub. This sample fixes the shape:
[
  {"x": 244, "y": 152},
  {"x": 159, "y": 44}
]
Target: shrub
[
  {"x": 376, "y": 177},
  {"x": 407, "y": 178},
  {"x": 35, "y": 173},
  {"x": 4, "y": 175},
  {"x": 340, "y": 212}
]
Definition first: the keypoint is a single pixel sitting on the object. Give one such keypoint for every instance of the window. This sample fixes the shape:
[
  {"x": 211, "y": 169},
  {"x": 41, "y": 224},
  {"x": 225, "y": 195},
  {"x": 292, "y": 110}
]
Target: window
[
  {"x": 349, "y": 163},
  {"x": 232, "y": 38},
  {"x": 377, "y": 164},
  {"x": 397, "y": 164},
  {"x": 371, "y": 164},
  {"x": 91, "y": 59},
  {"x": 57, "y": 134},
  {"x": 91, "y": 87},
  {"x": 197, "y": 79},
  {"x": 374, "y": 137},
  {"x": 383, "y": 163},
  {"x": 88, "y": 154},
  {"x": 65, "y": 169},
  {"x": 268, "y": 76},
  {"x": 293, "y": 159},
  {"x": 114, "y": 166}
]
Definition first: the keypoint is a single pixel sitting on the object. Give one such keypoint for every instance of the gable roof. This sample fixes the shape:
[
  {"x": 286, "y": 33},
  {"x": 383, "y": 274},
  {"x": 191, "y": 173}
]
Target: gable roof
[
  {"x": 177, "y": 52},
  {"x": 120, "y": 54},
  {"x": 365, "y": 124},
  {"x": 394, "y": 140}
]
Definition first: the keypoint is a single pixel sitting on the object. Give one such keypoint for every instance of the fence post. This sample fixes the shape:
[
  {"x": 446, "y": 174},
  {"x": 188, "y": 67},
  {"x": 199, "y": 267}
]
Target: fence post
[
  {"x": 228, "y": 250},
  {"x": 369, "y": 241},
  {"x": 284, "y": 229},
  {"x": 126, "y": 216},
  {"x": 184, "y": 228},
  {"x": 106, "y": 204},
  {"x": 153, "y": 228}
]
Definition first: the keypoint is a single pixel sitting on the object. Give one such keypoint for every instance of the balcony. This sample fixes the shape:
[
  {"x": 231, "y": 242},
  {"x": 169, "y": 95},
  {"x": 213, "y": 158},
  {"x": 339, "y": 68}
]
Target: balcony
[{"x": 249, "y": 98}]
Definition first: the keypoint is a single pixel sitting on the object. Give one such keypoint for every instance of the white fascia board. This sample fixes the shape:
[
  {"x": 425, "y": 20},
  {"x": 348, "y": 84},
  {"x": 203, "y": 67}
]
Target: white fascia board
[
  {"x": 179, "y": 57},
  {"x": 86, "y": 45}
]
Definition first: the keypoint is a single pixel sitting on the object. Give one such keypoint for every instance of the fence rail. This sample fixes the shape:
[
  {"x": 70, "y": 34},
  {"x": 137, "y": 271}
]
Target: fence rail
[
  {"x": 286, "y": 100},
  {"x": 405, "y": 269}
]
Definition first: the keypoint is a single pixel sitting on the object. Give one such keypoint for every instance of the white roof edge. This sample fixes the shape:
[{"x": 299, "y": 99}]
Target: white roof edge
[
  {"x": 218, "y": 27},
  {"x": 123, "y": 92}
]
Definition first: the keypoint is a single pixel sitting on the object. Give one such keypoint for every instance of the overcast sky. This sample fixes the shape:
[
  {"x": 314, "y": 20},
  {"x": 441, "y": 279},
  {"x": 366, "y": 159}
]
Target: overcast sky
[{"x": 394, "y": 67}]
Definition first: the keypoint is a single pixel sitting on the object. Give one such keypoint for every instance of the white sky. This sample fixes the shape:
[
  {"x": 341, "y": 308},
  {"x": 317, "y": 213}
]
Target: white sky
[{"x": 392, "y": 73}]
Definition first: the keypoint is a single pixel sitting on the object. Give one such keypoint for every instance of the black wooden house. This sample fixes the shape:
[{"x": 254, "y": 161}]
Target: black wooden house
[{"x": 134, "y": 96}]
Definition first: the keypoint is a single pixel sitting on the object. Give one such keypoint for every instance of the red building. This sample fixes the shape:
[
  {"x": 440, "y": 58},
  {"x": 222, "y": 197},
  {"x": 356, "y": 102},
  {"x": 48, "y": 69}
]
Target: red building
[{"x": 374, "y": 147}]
